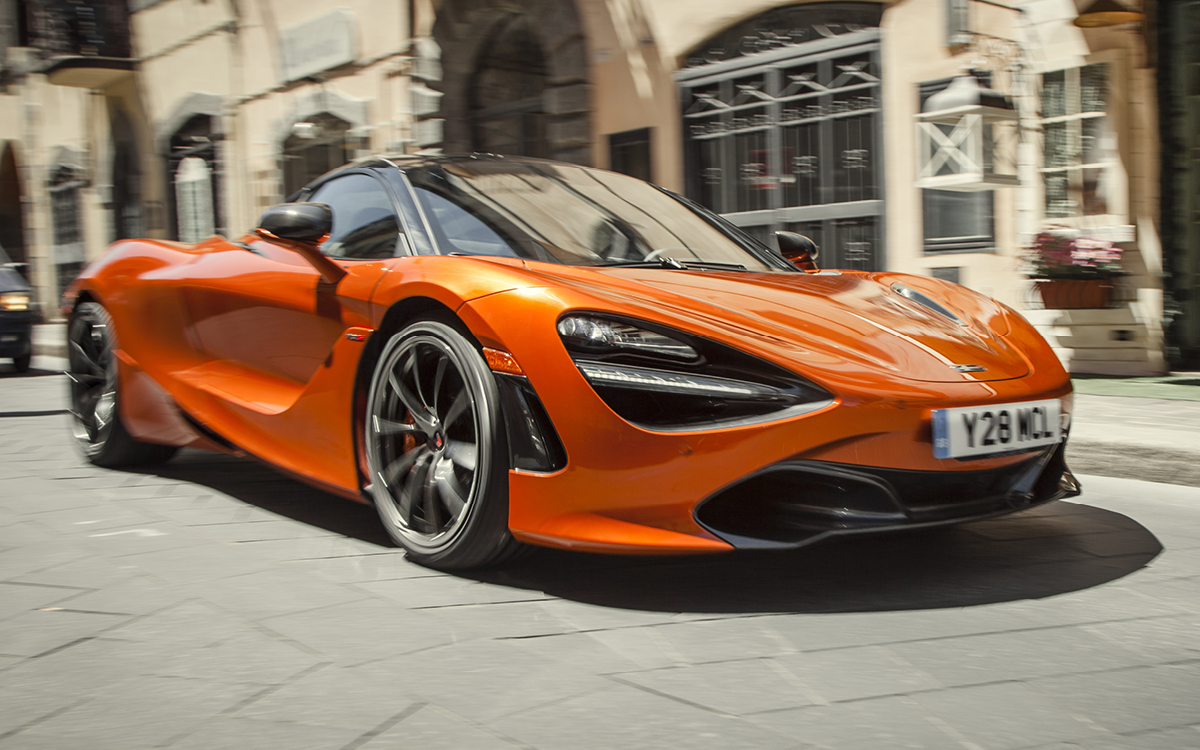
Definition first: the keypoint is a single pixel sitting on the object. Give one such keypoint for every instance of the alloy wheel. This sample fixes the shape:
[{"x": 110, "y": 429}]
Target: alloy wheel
[
  {"x": 93, "y": 376},
  {"x": 428, "y": 444}
]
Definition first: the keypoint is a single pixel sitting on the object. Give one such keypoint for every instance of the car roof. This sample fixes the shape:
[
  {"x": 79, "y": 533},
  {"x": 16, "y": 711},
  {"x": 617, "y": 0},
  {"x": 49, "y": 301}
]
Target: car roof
[{"x": 412, "y": 161}]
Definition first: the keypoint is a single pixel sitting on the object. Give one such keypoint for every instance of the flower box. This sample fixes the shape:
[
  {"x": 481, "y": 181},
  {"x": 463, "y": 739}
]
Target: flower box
[
  {"x": 1075, "y": 294},
  {"x": 1073, "y": 273}
]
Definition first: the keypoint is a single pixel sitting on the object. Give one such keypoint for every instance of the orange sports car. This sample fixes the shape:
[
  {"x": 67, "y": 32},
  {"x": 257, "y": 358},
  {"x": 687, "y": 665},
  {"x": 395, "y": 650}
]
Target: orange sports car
[{"x": 501, "y": 351}]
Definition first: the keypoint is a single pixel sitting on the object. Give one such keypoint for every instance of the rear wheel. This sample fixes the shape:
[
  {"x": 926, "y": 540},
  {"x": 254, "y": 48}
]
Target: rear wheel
[
  {"x": 436, "y": 449},
  {"x": 95, "y": 418},
  {"x": 21, "y": 363}
]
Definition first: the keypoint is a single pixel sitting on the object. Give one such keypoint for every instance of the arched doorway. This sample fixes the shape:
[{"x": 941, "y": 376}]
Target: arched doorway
[
  {"x": 316, "y": 145},
  {"x": 513, "y": 77},
  {"x": 507, "y": 105},
  {"x": 194, "y": 179},
  {"x": 12, "y": 221}
]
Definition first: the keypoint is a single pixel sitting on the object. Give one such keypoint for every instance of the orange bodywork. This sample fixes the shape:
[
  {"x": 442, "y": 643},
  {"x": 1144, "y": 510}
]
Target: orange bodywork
[{"x": 246, "y": 348}]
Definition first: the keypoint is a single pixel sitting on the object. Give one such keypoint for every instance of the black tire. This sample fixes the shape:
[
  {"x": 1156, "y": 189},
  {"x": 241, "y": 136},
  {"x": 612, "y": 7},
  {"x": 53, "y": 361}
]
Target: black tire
[
  {"x": 95, "y": 416},
  {"x": 437, "y": 453},
  {"x": 21, "y": 363}
]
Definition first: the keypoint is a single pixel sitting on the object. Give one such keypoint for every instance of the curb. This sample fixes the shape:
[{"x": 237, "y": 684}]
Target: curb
[{"x": 1124, "y": 461}]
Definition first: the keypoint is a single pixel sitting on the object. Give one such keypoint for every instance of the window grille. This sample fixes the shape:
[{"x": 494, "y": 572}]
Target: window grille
[
  {"x": 64, "y": 211},
  {"x": 789, "y": 134}
]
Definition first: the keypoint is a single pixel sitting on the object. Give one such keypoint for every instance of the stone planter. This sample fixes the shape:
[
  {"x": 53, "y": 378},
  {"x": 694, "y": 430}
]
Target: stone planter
[{"x": 1075, "y": 294}]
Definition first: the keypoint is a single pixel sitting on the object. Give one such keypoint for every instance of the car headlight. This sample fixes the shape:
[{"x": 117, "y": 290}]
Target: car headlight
[
  {"x": 590, "y": 333},
  {"x": 663, "y": 379},
  {"x": 14, "y": 301}
]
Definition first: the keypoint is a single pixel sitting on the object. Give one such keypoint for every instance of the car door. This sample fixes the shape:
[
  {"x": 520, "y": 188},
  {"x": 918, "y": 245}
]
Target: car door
[{"x": 272, "y": 329}]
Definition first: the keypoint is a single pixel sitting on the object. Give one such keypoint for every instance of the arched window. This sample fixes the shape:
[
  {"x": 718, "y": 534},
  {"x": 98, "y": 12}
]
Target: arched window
[
  {"x": 193, "y": 200},
  {"x": 195, "y": 179},
  {"x": 318, "y": 144},
  {"x": 507, "y": 113}
]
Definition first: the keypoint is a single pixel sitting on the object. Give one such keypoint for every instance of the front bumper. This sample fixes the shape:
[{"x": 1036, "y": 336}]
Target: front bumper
[
  {"x": 797, "y": 502},
  {"x": 16, "y": 334},
  {"x": 629, "y": 489}
]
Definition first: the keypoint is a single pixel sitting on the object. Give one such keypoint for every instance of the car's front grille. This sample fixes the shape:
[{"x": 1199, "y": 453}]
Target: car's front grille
[{"x": 794, "y": 502}]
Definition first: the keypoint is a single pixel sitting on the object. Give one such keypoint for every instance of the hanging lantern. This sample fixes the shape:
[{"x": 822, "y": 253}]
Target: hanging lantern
[
  {"x": 967, "y": 138},
  {"x": 1104, "y": 13}
]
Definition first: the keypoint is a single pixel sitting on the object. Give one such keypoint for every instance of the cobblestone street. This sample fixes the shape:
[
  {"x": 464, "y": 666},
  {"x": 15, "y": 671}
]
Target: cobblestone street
[{"x": 217, "y": 604}]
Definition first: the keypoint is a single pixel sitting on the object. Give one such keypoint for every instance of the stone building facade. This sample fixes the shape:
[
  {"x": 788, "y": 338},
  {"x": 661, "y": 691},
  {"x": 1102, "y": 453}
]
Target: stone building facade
[{"x": 177, "y": 118}]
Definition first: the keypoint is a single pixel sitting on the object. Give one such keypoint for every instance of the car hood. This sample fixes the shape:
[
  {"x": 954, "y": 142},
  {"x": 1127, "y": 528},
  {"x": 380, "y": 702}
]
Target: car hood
[{"x": 822, "y": 320}]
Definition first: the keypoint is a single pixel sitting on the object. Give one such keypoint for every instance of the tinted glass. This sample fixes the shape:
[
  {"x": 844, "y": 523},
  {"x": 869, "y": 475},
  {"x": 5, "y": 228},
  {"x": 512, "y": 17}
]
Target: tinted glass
[
  {"x": 458, "y": 231},
  {"x": 364, "y": 221},
  {"x": 573, "y": 215}
]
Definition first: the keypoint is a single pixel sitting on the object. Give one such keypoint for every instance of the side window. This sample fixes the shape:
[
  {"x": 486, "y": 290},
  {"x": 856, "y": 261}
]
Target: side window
[
  {"x": 364, "y": 222},
  {"x": 459, "y": 231}
]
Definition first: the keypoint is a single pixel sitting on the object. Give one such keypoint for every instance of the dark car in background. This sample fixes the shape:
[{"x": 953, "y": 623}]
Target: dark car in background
[{"x": 16, "y": 315}]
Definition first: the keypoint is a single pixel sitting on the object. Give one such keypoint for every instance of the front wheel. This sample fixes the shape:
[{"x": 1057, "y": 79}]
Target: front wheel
[
  {"x": 436, "y": 449},
  {"x": 95, "y": 418}
]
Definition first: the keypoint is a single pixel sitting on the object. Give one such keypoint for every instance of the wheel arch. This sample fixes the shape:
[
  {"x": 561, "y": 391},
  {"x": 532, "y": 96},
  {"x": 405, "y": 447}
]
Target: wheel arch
[{"x": 81, "y": 296}]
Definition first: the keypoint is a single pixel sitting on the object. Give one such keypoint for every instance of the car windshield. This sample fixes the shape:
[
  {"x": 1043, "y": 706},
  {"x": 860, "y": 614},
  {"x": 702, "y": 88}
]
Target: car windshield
[{"x": 577, "y": 216}]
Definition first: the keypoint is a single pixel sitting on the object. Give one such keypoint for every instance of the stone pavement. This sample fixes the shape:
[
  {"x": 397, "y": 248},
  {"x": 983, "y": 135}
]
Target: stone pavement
[{"x": 216, "y": 604}]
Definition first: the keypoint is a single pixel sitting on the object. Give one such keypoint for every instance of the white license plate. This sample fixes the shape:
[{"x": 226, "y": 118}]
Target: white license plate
[{"x": 996, "y": 428}]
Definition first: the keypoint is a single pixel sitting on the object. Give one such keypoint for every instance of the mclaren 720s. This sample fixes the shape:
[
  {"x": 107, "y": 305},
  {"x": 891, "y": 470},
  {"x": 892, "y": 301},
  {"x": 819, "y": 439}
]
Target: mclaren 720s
[{"x": 500, "y": 351}]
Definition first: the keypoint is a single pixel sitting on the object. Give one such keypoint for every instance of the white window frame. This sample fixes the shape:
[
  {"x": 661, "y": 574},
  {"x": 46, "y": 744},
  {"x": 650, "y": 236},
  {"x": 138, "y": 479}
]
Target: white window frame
[{"x": 1115, "y": 176}]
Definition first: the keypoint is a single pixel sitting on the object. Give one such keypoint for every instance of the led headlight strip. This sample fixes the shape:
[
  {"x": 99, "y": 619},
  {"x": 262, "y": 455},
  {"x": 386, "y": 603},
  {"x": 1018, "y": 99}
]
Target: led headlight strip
[{"x": 662, "y": 381}]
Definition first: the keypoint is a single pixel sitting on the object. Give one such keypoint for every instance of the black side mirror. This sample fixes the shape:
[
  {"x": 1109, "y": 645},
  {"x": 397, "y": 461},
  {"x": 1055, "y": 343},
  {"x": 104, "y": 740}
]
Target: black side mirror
[
  {"x": 798, "y": 250},
  {"x": 298, "y": 222},
  {"x": 302, "y": 227}
]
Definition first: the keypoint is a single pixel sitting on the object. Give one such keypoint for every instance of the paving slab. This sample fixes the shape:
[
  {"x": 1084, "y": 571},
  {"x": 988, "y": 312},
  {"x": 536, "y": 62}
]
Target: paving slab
[
  {"x": 624, "y": 716},
  {"x": 890, "y": 723},
  {"x": 1162, "y": 696},
  {"x": 229, "y": 733},
  {"x": 1004, "y": 716},
  {"x": 484, "y": 679},
  {"x": 434, "y": 728},
  {"x": 138, "y": 712},
  {"x": 730, "y": 688},
  {"x": 856, "y": 673}
]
